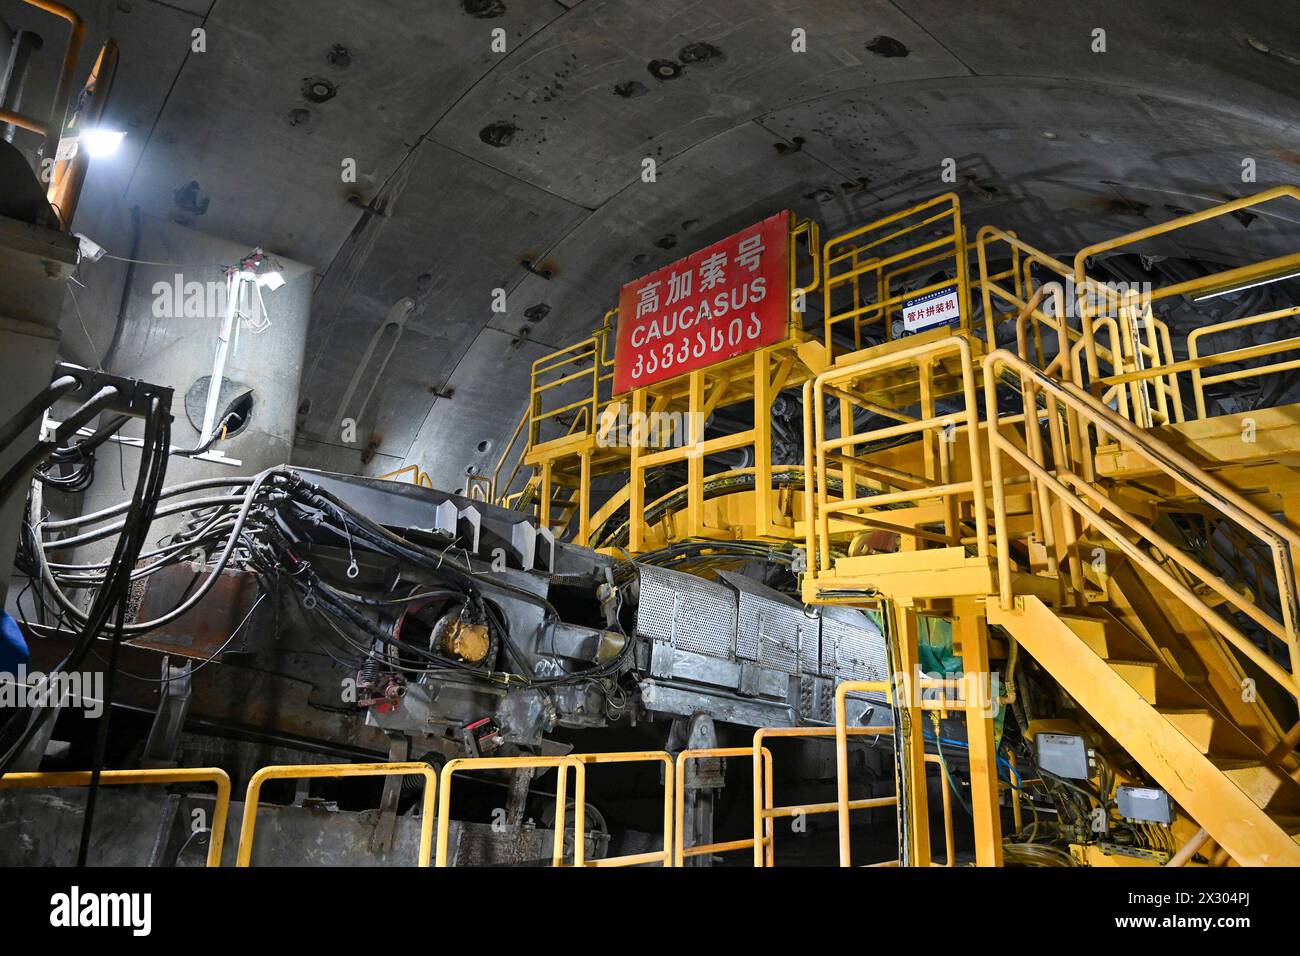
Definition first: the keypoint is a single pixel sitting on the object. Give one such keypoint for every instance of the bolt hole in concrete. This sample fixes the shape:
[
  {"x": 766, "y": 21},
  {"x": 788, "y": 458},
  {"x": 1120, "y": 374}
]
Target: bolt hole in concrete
[
  {"x": 700, "y": 53},
  {"x": 483, "y": 446},
  {"x": 483, "y": 9},
  {"x": 664, "y": 69},
  {"x": 498, "y": 134},
  {"x": 339, "y": 56},
  {"x": 317, "y": 89},
  {"x": 631, "y": 89},
  {"x": 887, "y": 46}
]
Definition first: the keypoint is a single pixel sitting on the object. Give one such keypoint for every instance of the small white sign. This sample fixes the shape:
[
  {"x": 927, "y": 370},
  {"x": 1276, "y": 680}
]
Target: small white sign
[
  {"x": 67, "y": 149},
  {"x": 934, "y": 308}
]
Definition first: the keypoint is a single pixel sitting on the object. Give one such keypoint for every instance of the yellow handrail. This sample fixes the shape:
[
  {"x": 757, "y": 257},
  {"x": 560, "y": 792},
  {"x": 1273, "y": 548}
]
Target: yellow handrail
[
  {"x": 496, "y": 490},
  {"x": 846, "y": 248},
  {"x": 727, "y": 846},
  {"x": 312, "y": 771},
  {"x": 664, "y": 856},
  {"x": 418, "y": 477},
  {"x": 1227, "y": 279},
  {"x": 765, "y": 811},
  {"x": 52, "y": 130},
  {"x": 841, "y": 450},
  {"x": 1072, "y": 489},
  {"x": 561, "y": 766},
  {"x": 1199, "y": 362},
  {"x": 109, "y": 778}
]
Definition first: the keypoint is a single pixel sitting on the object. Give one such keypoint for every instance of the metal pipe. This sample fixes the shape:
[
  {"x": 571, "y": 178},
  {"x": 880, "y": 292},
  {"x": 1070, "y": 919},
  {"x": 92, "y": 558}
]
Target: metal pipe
[
  {"x": 67, "y": 73},
  {"x": 1197, "y": 840}
]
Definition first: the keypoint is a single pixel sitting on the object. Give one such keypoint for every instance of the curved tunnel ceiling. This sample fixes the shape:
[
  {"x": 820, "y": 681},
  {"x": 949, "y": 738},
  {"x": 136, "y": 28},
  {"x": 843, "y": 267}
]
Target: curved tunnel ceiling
[{"x": 473, "y": 165}]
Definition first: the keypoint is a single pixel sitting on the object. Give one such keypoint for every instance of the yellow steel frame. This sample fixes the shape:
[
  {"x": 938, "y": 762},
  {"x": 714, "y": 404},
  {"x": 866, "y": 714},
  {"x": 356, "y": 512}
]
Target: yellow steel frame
[
  {"x": 111, "y": 778},
  {"x": 758, "y": 376},
  {"x": 583, "y": 374},
  {"x": 1036, "y": 470},
  {"x": 578, "y": 763},
  {"x": 314, "y": 771}
]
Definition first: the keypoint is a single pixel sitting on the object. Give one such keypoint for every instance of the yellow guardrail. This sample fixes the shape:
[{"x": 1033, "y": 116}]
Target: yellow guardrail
[
  {"x": 933, "y": 428},
  {"x": 1197, "y": 361},
  {"x": 843, "y": 805},
  {"x": 664, "y": 856},
  {"x": 560, "y": 764},
  {"x": 949, "y": 841},
  {"x": 52, "y": 129},
  {"x": 1225, "y": 280},
  {"x": 582, "y": 365},
  {"x": 1199, "y": 381},
  {"x": 418, "y": 476},
  {"x": 856, "y": 264},
  {"x": 765, "y": 810},
  {"x": 726, "y": 846},
  {"x": 312, "y": 771},
  {"x": 812, "y": 232},
  {"x": 498, "y": 491},
  {"x": 110, "y": 778},
  {"x": 1085, "y": 502}
]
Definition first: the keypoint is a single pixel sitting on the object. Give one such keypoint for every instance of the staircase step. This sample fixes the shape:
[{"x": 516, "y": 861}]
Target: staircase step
[
  {"x": 1107, "y": 636},
  {"x": 1197, "y": 724},
  {"x": 1158, "y": 683},
  {"x": 1091, "y": 630},
  {"x": 1258, "y": 780},
  {"x": 1211, "y": 732},
  {"x": 1238, "y": 799},
  {"x": 1140, "y": 675}
]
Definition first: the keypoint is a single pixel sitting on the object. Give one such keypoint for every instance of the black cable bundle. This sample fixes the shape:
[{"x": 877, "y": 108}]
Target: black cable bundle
[{"x": 114, "y": 592}]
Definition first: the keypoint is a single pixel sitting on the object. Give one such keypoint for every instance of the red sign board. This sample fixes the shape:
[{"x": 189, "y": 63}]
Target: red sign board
[{"x": 730, "y": 298}]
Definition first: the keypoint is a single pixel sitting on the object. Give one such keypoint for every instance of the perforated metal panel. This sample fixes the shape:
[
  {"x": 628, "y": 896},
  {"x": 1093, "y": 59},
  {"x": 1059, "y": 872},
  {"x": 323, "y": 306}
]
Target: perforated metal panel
[
  {"x": 769, "y": 625},
  {"x": 687, "y": 612},
  {"x": 853, "y": 641}
]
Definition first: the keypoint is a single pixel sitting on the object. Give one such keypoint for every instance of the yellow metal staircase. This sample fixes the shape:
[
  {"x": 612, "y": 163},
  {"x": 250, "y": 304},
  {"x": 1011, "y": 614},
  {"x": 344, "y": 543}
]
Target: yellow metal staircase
[{"x": 1214, "y": 772}]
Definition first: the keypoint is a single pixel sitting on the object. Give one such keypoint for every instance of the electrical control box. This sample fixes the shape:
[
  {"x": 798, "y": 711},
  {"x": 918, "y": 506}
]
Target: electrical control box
[
  {"x": 1147, "y": 804},
  {"x": 1065, "y": 755}
]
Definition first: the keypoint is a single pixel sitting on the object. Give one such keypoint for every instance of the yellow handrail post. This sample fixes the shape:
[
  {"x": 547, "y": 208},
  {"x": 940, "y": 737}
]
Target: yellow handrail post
[
  {"x": 313, "y": 771},
  {"x": 561, "y": 765},
  {"x": 842, "y": 732},
  {"x": 681, "y": 851},
  {"x": 1069, "y": 488},
  {"x": 664, "y": 856},
  {"x": 766, "y": 812},
  {"x": 109, "y": 778}
]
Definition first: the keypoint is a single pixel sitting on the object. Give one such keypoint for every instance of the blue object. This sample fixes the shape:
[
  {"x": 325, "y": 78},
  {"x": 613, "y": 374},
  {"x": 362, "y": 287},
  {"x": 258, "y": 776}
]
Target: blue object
[{"x": 13, "y": 649}]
